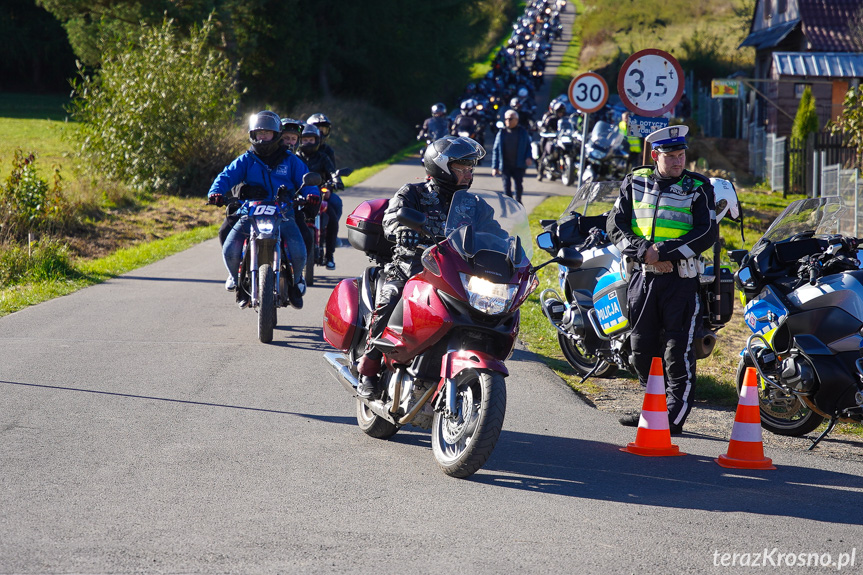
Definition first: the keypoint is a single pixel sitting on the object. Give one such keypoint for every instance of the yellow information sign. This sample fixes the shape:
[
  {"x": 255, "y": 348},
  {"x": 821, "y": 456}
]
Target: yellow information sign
[{"x": 725, "y": 89}]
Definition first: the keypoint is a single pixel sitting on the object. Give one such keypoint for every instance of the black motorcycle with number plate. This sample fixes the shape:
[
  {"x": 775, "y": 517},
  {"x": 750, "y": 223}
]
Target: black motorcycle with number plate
[{"x": 803, "y": 288}]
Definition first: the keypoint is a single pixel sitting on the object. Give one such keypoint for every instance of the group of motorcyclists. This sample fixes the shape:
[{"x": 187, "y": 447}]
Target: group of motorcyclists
[{"x": 282, "y": 150}]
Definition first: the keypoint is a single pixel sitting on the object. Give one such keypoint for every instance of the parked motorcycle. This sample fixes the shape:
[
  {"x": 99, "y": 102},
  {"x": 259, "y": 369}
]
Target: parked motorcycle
[
  {"x": 591, "y": 317},
  {"x": 606, "y": 154},
  {"x": 562, "y": 162},
  {"x": 317, "y": 225},
  {"x": 266, "y": 271},
  {"x": 446, "y": 343},
  {"x": 804, "y": 291}
]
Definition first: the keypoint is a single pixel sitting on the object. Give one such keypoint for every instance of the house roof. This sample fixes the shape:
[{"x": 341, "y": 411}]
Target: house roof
[
  {"x": 819, "y": 64},
  {"x": 769, "y": 37},
  {"x": 829, "y": 24}
]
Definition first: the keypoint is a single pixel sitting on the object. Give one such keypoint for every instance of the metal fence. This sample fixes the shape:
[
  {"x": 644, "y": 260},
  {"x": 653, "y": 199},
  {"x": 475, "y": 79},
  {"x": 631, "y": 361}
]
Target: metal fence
[{"x": 846, "y": 184}]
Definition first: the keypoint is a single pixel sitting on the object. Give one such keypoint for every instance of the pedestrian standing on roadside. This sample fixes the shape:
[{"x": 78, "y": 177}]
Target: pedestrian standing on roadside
[{"x": 510, "y": 155}]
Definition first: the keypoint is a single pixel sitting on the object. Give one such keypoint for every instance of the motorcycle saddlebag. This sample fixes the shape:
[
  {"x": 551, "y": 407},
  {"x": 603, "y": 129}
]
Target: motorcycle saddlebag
[
  {"x": 609, "y": 301},
  {"x": 726, "y": 292},
  {"x": 366, "y": 231},
  {"x": 342, "y": 314}
]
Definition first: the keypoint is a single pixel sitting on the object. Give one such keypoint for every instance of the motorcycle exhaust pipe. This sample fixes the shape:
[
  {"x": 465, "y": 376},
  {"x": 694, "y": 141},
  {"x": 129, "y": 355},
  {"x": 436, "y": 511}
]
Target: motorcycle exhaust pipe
[
  {"x": 704, "y": 344},
  {"x": 339, "y": 364}
]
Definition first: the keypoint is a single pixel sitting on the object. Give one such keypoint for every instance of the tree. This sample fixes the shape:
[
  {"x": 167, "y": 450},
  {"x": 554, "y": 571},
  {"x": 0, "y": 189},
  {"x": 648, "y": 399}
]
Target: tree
[
  {"x": 158, "y": 113},
  {"x": 806, "y": 120},
  {"x": 851, "y": 121}
]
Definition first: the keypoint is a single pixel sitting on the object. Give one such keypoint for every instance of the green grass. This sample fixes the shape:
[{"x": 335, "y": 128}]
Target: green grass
[{"x": 96, "y": 271}]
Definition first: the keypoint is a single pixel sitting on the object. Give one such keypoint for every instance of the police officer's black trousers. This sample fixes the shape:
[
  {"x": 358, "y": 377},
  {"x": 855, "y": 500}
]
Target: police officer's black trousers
[{"x": 664, "y": 311}]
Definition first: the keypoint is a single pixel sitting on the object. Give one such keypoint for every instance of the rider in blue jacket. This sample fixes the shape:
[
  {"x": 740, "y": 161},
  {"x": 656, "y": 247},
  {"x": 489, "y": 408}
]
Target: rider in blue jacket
[{"x": 268, "y": 165}]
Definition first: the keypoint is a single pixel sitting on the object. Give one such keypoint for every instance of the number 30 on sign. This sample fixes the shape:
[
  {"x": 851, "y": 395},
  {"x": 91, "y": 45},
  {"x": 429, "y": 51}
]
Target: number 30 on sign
[{"x": 588, "y": 92}]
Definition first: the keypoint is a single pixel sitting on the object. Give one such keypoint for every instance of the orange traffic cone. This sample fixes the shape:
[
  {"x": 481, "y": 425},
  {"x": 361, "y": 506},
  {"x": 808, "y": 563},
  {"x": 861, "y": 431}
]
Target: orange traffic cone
[
  {"x": 654, "y": 437},
  {"x": 745, "y": 449}
]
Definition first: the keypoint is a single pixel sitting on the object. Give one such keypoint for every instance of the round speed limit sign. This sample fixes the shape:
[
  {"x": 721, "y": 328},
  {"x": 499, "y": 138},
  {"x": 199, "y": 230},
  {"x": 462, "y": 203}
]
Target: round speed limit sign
[
  {"x": 650, "y": 82},
  {"x": 588, "y": 92}
]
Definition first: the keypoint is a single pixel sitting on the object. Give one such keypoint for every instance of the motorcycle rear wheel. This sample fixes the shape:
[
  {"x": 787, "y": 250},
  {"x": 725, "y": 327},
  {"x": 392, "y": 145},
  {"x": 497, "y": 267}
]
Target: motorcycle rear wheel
[
  {"x": 780, "y": 415},
  {"x": 267, "y": 304},
  {"x": 582, "y": 361},
  {"x": 463, "y": 444},
  {"x": 374, "y": 425}
]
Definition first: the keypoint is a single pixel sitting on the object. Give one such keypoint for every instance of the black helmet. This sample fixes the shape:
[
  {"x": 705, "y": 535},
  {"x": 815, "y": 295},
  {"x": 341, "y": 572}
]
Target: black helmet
[
  {"x": 438, "y": 108},
  {"x": 291, "y": 125},
  {"x": 322, "y": 122},
  {"x": 265, "y": 120},
  {"x": 310, "y": 130},
  {"x": 442, "y": 153}
]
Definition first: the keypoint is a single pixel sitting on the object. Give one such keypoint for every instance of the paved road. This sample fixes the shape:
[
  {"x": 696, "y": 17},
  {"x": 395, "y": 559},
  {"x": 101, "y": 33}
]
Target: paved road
[{"x": 143, "y": 429}]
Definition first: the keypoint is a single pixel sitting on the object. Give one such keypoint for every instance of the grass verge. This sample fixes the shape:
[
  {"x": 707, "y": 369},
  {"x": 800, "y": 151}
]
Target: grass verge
[{"x": 92, "y": 272}]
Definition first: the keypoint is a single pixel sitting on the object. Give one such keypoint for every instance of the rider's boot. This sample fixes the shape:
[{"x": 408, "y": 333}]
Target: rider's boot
[{"x": 368, "y": 367}]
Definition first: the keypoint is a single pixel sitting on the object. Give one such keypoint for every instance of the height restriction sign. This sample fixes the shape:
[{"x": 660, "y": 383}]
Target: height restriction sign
[
  {"x": 650, "y": 82},
  {"x": 588, "y": 92}
]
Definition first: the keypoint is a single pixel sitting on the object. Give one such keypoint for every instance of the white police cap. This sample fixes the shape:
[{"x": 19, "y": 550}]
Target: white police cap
[{"x": 669, "y": 138}]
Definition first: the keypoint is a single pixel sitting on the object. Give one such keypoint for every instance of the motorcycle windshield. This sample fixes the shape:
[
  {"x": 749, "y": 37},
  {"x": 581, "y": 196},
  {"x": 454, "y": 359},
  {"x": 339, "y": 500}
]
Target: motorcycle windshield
[
  {"x": 593, "y": 199},
  {"x": 485, "y": 220},
  {"x": 605, "y": 136},
  {"x": 822, "y": 216}
]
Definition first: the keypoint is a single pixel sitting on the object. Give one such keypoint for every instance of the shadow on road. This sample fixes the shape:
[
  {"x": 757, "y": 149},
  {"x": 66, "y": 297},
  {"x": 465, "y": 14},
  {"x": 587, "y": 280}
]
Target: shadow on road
[{"x": 596, "y": 470}]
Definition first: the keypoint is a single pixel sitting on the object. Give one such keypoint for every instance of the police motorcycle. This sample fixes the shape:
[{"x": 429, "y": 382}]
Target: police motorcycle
[
  {"x": 456, "y": 324},
  {"x": 606, "y": 153},
  {"x": 803, "y": 289},
  {"x": 566, "y": 148},
  {"x": 591, "y": 315},
  {"x": 266, "y": 271}
]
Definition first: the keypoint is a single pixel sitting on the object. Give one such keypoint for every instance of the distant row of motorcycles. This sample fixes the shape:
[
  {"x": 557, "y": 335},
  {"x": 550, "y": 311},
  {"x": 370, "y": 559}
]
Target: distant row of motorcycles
[{"x": 606, "y": 153}]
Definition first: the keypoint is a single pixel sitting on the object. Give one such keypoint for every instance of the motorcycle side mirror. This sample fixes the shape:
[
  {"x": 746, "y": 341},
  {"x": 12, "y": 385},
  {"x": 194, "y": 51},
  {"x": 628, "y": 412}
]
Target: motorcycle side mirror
[
  {"x": 413, "y": 219},
  {"x": 737, "y": 255},
  {"x": 545, "y": 241},
  {"x": 344, "y": 172},
  {"x": 569, "y": 257},
  {"x": 312, "y": 179}
]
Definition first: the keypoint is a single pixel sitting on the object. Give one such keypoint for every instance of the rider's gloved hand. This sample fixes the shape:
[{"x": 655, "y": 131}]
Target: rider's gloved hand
[
  {"x": 215, "y": 199},
  {"x": 313, "y": 200},
  {"x": 407, "y": 238}
]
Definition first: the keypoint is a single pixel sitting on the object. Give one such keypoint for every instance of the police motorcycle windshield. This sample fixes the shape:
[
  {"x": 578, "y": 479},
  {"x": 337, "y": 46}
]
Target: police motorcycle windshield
[
  {"x": 818, "y": 216},
  {"x": 497, "y": 223},
  {"x": 593, "y": 199}
]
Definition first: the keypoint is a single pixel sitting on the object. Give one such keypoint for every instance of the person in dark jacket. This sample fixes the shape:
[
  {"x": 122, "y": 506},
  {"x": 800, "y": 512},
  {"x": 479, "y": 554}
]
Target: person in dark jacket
[
  {"x": 663, "y": 219},
  {"x": 329, "y": 223},
  {"x": 510, "y": 154},
  {"x": 449, "y": 163}
]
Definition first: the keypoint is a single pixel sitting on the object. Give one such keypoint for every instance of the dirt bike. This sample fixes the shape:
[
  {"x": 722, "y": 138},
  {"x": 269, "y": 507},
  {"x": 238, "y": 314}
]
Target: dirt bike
[
  {"x": 445, "y": 345},
  {"x": 266, "y": 271},
  {"x": 591, "y": 317},
  {"x": 317, "y": 221},
  {"x": 804, "y": 291}
]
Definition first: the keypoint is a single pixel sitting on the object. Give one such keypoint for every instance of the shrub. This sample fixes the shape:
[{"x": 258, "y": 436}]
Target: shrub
[
  {"x": 28, "y": 203},
  {"x": 158, "y": 115},
  {"x": 45, "y": 260}
]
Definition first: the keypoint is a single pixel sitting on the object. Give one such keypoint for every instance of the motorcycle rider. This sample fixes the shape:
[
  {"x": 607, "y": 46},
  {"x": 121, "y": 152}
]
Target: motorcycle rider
[
  {"x": 317, "y": 161},
  {"x": 663, "y": 219},
  {"x": 437, "y": 125},
  {"x": 466, "y": 122},
  {"x": 267, "y": 165},
  {"x": 291, "y": 130},
  {"x": 449, "y": 163},
  {"x": 549, "y": 124},
  {"x": 334, "y": 201}
]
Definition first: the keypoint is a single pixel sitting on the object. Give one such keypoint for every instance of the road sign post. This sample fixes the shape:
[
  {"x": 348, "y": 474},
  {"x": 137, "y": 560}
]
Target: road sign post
[{"x": 588, "y": 92}]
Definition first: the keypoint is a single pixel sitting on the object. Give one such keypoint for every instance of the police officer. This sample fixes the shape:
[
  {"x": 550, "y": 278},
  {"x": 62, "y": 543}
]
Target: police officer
[
  {"x": 663, "y": 219},
  {"x": 634, "y": 141}
]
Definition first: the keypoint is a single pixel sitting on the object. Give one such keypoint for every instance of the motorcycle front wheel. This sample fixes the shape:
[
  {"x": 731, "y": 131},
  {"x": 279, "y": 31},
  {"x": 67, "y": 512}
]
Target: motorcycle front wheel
[
  {"x": 581, "y": 360},
  {"x": 568, "y": 177},
  {"x": 463, "y": 442},
  {"x": 267, "y": 304},
  {"x": 780, "y": 413}
]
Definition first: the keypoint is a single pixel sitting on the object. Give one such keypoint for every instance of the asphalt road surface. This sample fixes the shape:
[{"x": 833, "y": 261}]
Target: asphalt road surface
[{"x": 144, "y": 429}]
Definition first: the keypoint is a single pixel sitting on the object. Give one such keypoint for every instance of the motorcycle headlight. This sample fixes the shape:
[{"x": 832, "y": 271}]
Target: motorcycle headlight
[
  {"x": 596, "y": 154},
  {"x": 488, "y": 297},
  {"x": 266, "y": 225}
]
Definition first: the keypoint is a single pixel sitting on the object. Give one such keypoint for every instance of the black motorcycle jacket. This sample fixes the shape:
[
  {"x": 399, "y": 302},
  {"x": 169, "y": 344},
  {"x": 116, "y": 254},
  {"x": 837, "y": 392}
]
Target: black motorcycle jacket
[
  {"x": 435, "y": 128},
  {"x": 319, "y": 162}
]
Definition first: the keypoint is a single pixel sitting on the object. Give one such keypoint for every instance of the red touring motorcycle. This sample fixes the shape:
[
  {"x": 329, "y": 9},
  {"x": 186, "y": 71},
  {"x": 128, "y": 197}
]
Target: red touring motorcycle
[{"x": 446, "y": 342}]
